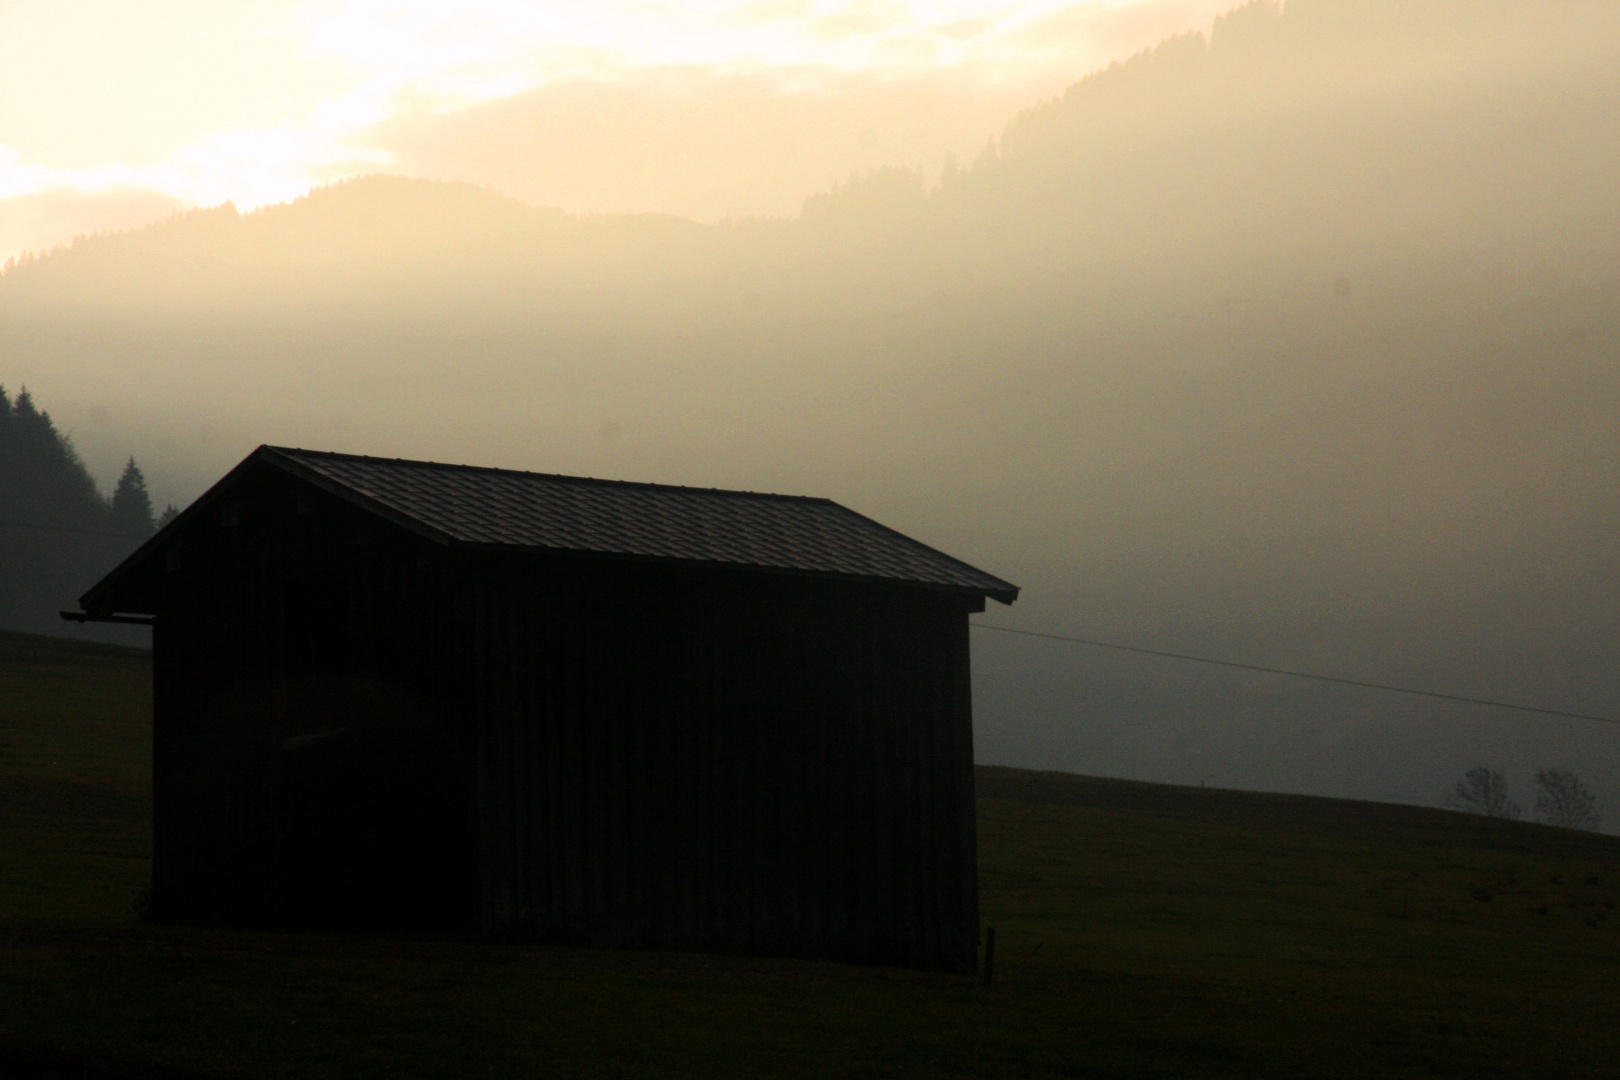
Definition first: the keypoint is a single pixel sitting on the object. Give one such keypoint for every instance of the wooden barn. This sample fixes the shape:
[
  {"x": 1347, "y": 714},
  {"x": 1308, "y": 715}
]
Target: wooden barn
[{"x": 403, "y": 694}]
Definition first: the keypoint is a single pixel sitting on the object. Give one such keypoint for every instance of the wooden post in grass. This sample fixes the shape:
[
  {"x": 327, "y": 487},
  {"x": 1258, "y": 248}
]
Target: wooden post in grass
[{"x": 989, "y": 955}]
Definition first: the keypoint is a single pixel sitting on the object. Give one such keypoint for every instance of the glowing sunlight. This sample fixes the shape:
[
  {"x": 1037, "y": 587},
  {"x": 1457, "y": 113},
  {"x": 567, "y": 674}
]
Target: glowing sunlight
[{"x": 171, "y": 103}]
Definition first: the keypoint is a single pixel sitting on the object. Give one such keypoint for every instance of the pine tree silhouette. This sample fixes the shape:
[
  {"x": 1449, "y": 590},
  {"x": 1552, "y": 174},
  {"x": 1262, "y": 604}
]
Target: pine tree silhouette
[
  {"x": 131, "y": 505},
  {"x": 42, "y": 480},
  {"x": 57, "y": 534}
]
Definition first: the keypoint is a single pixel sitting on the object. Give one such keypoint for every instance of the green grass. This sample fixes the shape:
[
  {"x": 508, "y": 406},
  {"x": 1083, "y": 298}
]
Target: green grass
[
  {"x": 75, "y": 778},
  {"x": 1143, "y": 931}
]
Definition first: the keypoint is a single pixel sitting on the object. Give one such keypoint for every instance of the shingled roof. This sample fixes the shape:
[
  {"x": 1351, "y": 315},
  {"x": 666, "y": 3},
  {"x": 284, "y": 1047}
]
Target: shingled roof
[{"x": 472, "y": 507}]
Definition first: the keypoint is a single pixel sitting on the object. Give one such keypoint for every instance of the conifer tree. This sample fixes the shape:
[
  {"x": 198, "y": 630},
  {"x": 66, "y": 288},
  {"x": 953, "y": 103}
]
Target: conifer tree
[
  {"x": 42, "y": 479},
  {"x": 131, "y": 505},
  {"x": 57, "y": 534}
]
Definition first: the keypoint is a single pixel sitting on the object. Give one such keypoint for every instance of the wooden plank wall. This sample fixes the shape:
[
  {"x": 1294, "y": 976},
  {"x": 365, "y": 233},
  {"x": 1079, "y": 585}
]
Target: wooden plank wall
[
  {"x": 214, "y": 735},
  {"x": 237, "y": 680},
  {"x": 731, "y": 762},
  {"x": 577, "y": 749}
]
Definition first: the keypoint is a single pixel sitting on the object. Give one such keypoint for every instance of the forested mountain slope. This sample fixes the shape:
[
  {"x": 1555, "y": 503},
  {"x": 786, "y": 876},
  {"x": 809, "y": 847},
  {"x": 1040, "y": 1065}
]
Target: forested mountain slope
[{"x": 57, "y": 534}]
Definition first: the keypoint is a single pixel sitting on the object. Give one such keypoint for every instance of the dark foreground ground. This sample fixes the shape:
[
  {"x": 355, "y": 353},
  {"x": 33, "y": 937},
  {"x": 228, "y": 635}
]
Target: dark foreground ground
[{"x": 1142, "y": 931}]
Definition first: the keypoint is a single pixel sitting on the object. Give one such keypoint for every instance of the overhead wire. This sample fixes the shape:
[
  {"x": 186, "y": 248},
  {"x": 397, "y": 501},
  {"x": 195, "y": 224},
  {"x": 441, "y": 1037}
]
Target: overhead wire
[
  {"x": 1092, "y": 643},
  {"x": 1299, "y": 674}
]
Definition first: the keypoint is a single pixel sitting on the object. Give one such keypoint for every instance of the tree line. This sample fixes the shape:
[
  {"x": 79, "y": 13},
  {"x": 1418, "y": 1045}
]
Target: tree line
[
  {"x": 1561, "y": 798},
  {"x": 58, "y": 534}
]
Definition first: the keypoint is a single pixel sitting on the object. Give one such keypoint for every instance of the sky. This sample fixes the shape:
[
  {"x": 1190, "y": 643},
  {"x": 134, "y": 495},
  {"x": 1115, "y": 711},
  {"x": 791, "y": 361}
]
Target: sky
[{"x": 116, "y": 114}]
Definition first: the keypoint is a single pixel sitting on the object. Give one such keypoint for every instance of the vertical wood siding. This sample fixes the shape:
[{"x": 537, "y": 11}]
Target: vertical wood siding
[
  {"x": 741, "y": 765},
  {"x": 570, "y": 748},
  {"x": 371, "y": 828}
]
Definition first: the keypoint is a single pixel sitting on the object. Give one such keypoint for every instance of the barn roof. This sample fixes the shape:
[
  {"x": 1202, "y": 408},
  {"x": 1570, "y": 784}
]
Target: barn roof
[{"x": 472, "y": 507}]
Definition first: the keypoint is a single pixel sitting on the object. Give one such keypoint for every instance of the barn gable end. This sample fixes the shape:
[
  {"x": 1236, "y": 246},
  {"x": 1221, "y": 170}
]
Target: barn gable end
[{"x": 405, "y": 694}]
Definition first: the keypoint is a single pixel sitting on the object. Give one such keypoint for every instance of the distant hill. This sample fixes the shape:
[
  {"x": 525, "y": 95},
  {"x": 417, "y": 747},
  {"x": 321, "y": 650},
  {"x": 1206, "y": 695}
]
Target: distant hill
[
  {"x": 376, "y": 237},
  {"x": 1282, "y": 815}
]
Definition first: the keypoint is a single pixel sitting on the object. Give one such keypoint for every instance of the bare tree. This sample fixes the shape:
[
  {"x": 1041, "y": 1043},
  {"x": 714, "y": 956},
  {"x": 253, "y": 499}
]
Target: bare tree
[
  {"x": 1565, "y": 802},
  {"x": 1483, "y": 791}
]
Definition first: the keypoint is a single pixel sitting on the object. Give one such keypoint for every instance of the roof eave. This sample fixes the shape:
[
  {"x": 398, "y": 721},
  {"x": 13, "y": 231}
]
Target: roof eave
[
  {"x": 101, "y": 598},
  {"x": 98, "y": 600},
  {"x": 92, "y": 601}
]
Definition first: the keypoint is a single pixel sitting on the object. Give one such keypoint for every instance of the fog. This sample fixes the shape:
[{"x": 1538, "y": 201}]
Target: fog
[
  {"x": 1296, "y": 345},
  {"x": 703, "y": 145}
]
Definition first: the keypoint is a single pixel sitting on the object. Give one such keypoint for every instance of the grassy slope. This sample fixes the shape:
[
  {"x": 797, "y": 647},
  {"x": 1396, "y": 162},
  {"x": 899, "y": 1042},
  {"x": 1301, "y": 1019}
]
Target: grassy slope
[
  {"x": 1143, "y": 930},
  {"x": 75, "y": 777}
]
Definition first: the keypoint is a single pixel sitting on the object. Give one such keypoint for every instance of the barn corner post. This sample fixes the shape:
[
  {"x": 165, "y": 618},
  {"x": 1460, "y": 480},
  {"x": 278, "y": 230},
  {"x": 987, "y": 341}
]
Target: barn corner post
[{"x": 961, "y": 653}]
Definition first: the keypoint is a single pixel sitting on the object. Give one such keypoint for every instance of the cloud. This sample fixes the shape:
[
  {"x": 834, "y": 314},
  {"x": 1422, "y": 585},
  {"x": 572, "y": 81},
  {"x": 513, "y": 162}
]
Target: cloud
[
  {"x": 497, "y": 92},
  {"x": 697, "y": 144},
  {"x": 250, "y": 166},
  {"x": 864, "y": 19},
  {"x": 770, "y": 103},
  {"x": 479, "y": 50},
  {"x": 41, "y": 221},
  {"x": 964, "y": 29}
]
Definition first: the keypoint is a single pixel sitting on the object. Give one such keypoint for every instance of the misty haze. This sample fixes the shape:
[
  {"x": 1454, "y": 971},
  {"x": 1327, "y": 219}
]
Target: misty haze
[{"x": 1295, "y": 344}]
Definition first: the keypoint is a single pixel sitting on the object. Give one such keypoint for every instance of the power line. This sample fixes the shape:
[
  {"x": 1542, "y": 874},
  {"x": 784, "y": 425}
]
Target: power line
[
  {"x": 1300, "y": 674},
  {"x": 66, "y": 529}
]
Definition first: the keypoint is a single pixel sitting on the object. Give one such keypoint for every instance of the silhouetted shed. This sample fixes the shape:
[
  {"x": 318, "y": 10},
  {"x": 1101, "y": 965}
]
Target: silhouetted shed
[{"x": 403, "y": 693}]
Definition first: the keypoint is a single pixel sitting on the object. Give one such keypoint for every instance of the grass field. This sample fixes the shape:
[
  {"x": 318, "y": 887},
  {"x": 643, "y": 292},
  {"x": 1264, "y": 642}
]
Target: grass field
[{"x": 1143, "y": 931}]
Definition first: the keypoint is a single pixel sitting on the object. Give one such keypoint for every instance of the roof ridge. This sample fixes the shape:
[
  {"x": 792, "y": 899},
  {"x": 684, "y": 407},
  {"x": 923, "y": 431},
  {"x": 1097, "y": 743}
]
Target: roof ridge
[
  {"x": 477, "y": 506},
  {"x": 299, "y": 452}
]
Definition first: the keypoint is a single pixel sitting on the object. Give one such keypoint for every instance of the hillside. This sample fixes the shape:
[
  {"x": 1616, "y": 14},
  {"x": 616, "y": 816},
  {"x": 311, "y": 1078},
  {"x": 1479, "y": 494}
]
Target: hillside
[
  {"x": 1143, "y": 930},
  {"x": 75, "y": 776}
]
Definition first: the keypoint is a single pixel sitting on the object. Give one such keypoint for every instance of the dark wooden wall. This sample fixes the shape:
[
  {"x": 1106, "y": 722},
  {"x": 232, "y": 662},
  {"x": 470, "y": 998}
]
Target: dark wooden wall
[
  {"x": 311, "y": 765},
  {"x": 724, "y": 761},
  {"x": 355, "y": 728}
]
